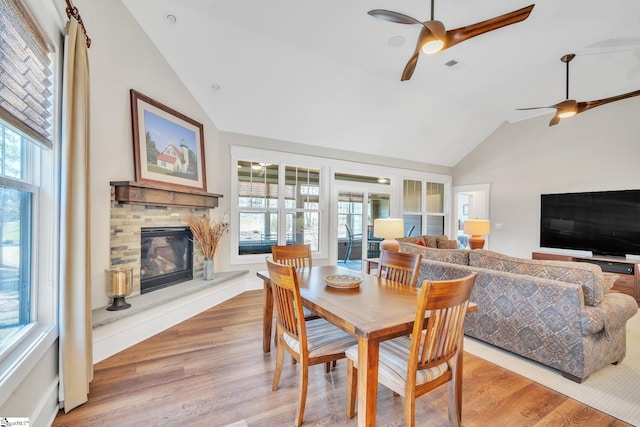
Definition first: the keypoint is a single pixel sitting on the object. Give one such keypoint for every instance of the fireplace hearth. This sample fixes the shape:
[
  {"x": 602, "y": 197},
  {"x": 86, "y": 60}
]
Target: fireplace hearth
[{"x": 166, "y": 257}]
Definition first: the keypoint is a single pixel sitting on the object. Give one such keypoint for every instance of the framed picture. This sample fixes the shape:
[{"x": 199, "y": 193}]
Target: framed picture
[
  {"x": 168, "y": 147},
  {"x": 465, "y": 209}
]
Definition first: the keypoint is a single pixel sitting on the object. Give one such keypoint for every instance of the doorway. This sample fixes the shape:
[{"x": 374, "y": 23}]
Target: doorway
[
  {"x": 358, "y": 207},
  {"x": 471, "y": 202}
]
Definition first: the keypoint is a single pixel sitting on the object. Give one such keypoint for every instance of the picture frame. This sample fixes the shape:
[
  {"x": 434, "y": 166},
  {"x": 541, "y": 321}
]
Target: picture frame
[
  {"x": 168, "y": 147},
  {"x": 465, "y": 209}
]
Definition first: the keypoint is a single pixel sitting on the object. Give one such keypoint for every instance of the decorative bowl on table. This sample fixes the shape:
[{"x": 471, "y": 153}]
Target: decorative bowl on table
[{"x": 342, "y": 281}]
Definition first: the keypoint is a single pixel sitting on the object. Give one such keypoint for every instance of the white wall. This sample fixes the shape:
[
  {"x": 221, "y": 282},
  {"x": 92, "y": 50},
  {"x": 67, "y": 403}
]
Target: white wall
[
  {"x": 123, "y": 58},
  {"x": 596, "y": 150}
]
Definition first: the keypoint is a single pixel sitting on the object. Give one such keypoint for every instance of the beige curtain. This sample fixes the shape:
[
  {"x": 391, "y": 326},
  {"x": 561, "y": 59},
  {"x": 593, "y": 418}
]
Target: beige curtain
[{"x": 75, "y": 347}]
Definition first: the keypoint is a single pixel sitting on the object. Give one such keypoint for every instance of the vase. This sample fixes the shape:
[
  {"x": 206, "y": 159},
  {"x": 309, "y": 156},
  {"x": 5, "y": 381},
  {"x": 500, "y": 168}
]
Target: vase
[{"x": 208, "y": 268}]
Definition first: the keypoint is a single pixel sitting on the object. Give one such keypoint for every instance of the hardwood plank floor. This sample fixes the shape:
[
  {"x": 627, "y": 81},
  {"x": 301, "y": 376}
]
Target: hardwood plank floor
[{"x": 210, "y": 371}]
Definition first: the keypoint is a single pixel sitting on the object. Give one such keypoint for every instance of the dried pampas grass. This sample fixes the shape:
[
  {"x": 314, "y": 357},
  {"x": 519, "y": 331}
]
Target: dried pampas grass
[{"x": 207, "y": 233}]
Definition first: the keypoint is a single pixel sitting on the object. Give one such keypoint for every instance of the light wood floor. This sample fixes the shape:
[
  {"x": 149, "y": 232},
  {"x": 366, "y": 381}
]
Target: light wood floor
[{"x": 210, "y": 371}]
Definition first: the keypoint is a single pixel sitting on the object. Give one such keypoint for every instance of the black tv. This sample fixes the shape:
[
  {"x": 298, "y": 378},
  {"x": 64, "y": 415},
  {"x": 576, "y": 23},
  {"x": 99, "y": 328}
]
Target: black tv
[{"x": 603, "y": 222}]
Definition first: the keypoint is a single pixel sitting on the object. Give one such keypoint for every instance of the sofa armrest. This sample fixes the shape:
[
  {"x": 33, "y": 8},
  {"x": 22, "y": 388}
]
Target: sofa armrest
[{"x": 612, "y": 313}]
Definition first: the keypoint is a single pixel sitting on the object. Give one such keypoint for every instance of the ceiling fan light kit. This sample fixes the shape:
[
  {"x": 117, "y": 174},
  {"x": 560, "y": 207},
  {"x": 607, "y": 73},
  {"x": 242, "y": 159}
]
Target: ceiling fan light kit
[
  {"x": 432, "y": 46},
  {"x": 570, "y": 107},
  {"x": 435, "y": 38}
]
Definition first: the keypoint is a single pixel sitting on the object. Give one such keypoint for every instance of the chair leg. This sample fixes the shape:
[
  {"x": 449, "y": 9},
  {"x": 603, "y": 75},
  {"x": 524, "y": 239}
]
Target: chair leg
[
  {"x": 278, "y": 370},
  {"x": 302, "y": 397},
  {"x": 410, "y": 409},
  {"x": 327, "y": 367},
  {"x": 352, "y": 387},
  {"x": 454, "y": 410},
  {"x": 347, "y": 254}
]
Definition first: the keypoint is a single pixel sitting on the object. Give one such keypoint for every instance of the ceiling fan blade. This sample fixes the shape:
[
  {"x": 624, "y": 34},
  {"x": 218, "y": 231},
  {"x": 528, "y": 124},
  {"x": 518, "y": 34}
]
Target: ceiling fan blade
[
  {"x": 425, "y": 34},
  {"x": 461, "y": 34},
  {"x": 391, "y": 16},
  {"x": 555, "y": 119},
  {"x": 536, "y": 108},
  {"x": 410, "y": 67},
  {"x": 584, "y": 106}
]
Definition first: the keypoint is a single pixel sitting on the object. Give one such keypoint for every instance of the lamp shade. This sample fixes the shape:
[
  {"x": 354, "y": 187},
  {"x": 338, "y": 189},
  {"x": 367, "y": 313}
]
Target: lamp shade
[
  {"x": 388, "y": 228},
  {"x": 477, "y": 227}
]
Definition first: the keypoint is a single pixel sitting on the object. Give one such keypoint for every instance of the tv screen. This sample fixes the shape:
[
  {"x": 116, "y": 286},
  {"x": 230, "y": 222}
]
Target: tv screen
[{"x": 604, "y": 222}]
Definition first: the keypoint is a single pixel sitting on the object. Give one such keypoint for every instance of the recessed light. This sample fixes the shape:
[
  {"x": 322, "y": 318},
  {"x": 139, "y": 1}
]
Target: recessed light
[{"x": 170, "y": 18}]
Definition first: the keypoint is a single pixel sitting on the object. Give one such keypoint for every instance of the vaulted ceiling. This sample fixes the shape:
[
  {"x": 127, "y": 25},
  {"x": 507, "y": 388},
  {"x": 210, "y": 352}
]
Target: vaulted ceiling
[{"x": 326, "y": 73}]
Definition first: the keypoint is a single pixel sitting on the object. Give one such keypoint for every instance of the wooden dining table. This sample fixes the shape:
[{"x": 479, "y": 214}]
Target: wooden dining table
[{"x": 376, "y": 311}]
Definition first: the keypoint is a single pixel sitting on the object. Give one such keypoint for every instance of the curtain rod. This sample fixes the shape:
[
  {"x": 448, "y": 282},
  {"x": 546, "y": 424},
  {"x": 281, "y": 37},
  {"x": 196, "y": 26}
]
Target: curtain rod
[{"x": 73, "y": 11}]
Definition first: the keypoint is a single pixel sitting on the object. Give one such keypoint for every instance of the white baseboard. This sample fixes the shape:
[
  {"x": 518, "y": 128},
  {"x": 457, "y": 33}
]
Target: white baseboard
[{"x": 116, "y": 336}]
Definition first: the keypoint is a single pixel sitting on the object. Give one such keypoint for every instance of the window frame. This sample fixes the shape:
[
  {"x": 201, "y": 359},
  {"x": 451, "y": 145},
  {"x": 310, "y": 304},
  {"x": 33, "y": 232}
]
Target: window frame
[
  {"x": 283, "y": 160},
  {"x": 446, "y": 181},
  {"x": 329, "y": 166}
]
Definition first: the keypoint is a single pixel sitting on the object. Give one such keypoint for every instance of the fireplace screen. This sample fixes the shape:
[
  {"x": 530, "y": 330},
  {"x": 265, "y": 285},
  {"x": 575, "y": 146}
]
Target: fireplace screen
[{"x": 166, "y": 257}]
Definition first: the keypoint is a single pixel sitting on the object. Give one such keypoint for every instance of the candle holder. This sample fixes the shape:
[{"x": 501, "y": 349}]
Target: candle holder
[{"x": 118, "y": 286}]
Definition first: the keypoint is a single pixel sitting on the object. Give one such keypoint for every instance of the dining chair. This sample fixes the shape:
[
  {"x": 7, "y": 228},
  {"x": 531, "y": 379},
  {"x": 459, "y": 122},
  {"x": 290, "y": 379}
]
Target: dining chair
[
  {"x": 308, "y": 342},
  {"x": 298, "y": 256},
  {"x": 400, "y": 267},
  {"x": 351, "y": 239},
  {"x": 412, "y": 366}
]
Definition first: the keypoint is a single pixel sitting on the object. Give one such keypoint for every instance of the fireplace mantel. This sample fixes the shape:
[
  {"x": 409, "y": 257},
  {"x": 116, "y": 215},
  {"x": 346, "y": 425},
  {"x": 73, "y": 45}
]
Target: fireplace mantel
[{"x": 143, "y": 193}]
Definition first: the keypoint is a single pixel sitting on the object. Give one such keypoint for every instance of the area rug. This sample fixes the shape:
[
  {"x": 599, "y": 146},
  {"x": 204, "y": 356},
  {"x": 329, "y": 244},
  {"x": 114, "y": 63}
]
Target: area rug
[{"x": 614, "y": 390}]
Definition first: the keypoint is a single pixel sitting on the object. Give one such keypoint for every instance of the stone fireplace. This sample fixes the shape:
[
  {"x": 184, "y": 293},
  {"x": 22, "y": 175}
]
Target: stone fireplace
[{"x": 134, "y": 210}]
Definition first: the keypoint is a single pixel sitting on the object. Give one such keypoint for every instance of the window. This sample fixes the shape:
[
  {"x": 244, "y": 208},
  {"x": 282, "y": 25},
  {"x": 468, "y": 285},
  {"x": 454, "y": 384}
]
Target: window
[
  {"x": 302, "y": 206},
  {"x": 432, "y": 213},
  {"x": 435, "y": 208},
  {"x": 412, "y": 207},
  {"x": 28, "y": 200},
  {"x": 265, "y": 197},
  {"x": 16, "y": 197},
  {"x": 350, "y": 214}
]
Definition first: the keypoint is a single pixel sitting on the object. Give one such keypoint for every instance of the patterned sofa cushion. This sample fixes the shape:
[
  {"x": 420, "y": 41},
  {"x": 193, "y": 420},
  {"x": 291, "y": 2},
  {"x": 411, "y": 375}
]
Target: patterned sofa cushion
[
  {"x": 589, "y": 276},
  {"x": 444, "y": 243},
  {"x": 432, "y": 241},
  {"x": 453, "y": 256}
]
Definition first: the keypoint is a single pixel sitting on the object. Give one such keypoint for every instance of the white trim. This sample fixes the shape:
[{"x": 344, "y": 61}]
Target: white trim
[{"x": 116, "y": 336}]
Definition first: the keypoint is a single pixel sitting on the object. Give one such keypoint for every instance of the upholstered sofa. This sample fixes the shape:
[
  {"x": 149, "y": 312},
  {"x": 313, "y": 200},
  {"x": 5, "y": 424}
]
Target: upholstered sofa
[
  {"x": 431, "y": 241},
  {"x": 554, "y": 312}
]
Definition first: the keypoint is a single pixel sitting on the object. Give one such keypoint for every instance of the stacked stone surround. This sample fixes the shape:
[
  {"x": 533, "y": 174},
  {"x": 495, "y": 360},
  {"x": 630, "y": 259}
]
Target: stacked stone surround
[{"x": 126, "y": 222}]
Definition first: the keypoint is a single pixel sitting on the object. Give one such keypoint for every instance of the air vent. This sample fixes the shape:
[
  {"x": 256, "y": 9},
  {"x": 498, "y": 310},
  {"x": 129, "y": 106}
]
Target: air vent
[{"x": 451, "y": 63}]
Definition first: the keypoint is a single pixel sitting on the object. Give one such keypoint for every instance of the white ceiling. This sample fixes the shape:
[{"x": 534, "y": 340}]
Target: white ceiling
[{"x": 326, "y": 73}]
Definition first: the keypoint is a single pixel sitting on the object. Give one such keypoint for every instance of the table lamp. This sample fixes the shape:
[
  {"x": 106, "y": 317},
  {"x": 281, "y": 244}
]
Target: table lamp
[
  {"x": 476, "y": 228},
  {"x": 388, "y": 229},
  {"x": 119, "y": 282}
]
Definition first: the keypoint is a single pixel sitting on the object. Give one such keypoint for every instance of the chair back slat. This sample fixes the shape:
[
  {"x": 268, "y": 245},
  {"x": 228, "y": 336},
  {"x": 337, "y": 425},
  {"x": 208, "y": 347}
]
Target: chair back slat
[
  {"x": 298, "y": 256},
  {"x": 287, "y": 300},
  {"x": 400, "y": 267},
  {"x": 447, "y": 303}
]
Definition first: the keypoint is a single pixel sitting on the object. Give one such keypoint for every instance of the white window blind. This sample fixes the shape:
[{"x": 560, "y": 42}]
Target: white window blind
[{"x": 26, "y": 86}]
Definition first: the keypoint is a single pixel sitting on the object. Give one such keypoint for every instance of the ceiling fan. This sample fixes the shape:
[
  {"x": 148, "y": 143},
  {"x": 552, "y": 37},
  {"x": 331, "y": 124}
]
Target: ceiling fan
[
  {"x": 434, "y": 38},
  {"x": 570, "y": 107}
]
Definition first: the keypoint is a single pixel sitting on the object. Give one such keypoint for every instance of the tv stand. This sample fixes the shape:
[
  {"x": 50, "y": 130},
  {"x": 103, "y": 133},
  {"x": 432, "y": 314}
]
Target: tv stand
[{"x": 627, "y": 269}]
